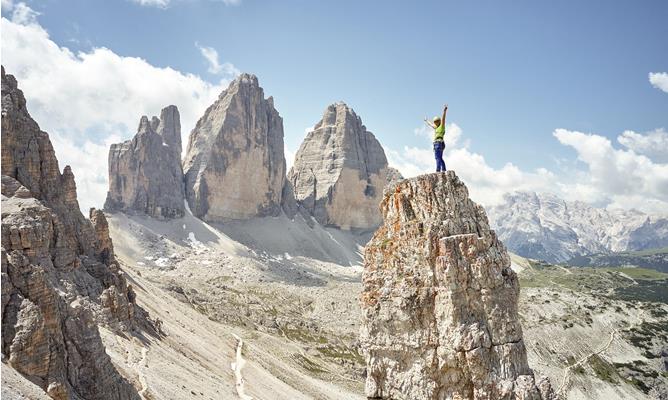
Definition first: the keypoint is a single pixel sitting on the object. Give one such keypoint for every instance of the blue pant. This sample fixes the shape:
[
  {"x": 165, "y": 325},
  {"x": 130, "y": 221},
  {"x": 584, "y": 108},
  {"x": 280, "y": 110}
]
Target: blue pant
[{"x": 438, "y": 153}]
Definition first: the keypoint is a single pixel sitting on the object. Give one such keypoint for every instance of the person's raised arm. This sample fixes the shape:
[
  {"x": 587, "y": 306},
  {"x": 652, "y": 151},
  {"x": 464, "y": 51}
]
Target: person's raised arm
[
  {"x": 432, "y": 126},
  {"x": 445, "y": 111}
]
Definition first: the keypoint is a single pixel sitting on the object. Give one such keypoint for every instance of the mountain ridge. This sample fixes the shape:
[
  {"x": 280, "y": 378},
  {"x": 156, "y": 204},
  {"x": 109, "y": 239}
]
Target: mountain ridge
[{"x": 544, "y": 226}]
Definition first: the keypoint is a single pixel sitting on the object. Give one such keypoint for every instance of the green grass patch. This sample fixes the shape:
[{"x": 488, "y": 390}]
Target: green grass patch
[
  {"x": 638, "y": 273},
  {"x": 579, "y": 370},
  {"x": 303, "y": 335},
  {"x": 341, "y": 352},
  {"x": 308, "y": 364},
  {"x": 603, "y": 369}
]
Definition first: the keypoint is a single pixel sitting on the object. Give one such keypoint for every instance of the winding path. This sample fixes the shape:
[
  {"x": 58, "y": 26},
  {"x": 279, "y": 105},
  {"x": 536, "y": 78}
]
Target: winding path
[
  {"x": 139, "y": 366},
  {"x": 568, "y": 372},
  {"x": 237, "y": 365},
  {"x": 142, "y": 377}
]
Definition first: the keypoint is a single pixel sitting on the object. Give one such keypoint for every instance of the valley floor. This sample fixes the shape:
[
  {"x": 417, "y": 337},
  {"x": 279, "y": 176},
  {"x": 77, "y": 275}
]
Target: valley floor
[
  {"x": 297, "y": 316},
  {"x": 292, "y": 299}
]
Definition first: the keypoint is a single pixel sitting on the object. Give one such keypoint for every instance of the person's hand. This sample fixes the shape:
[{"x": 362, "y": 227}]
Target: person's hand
[{"x": 445, "y": 107}]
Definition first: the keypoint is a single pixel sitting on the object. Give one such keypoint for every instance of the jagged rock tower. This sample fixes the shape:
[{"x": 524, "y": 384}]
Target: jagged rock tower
[
  {"x": 340, "y": 171},
  {"x": 145, "y": 174},
  {"x": 59, "y": 275},
  {"x": 440, "y": 301},
  {"x": 235, "y": 164}
]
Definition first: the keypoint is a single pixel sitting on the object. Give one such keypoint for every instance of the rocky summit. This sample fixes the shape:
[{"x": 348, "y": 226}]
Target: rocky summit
[
  {"x": 340, "y": 171},
  {"x": 439, "y": 301},
  {"x": 145, "y": 174},
  {"x": 59, "y": 275},
  {"x": 235, "y": 165}
]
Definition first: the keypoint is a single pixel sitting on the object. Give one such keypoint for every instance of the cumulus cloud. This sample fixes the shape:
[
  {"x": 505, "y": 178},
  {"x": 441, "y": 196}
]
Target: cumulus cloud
[
  {"x": 215, "y": 67},
  {"x": 166, "y": 3},
  {"x": 603, "y": 175},
  {"x": 659, "y": 80},
  {"x": 22, "y": 14},
  {"x": 486, "y": 184},
  {"x": 653, "y": 144},
  {"x": 89, "y": 165},
  {"x": 289, "y": 159},
  {"x": 454, "y": 133},
  {"x": 619, "y": 174},
  {"x": 153, "y": 3},
  {"x": 86, "y": 99}
]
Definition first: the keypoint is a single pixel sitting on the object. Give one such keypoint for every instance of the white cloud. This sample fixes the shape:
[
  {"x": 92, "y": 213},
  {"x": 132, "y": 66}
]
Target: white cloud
[
  {"x": 153, "y": 3},
  {"x": 85, "y": 160},
  {"x": 289, "y": 159},
  {"x": 451, "y": 138},
  {"x": 653, "y": 144},
  {"x": 659, "y": 80},
  {"x": 86, "y": 99},
  {"x": 21, "y": 13},
  {"x": 486, "y": 184},
  {"x": 166, "y": 3},
  {"x": 411, "y": 161},
  {"x": 618, "y": 174},
  {"x": 616, "y": 178},
  {"x": 215, "y": 67}
]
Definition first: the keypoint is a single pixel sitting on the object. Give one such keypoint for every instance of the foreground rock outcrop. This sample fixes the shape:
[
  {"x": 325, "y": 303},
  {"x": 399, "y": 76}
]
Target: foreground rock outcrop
[
  {"x": 59, "y": 275},
  {"x": 145, "y": 174},
  {"x": 235, "y": 164},
  {"x": 440, "y": 301},
  {"x": 340, "y": 171}
]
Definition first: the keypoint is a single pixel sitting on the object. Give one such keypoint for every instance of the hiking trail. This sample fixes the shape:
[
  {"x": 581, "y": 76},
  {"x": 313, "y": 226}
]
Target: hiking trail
[{"x": 236, "y": 367}]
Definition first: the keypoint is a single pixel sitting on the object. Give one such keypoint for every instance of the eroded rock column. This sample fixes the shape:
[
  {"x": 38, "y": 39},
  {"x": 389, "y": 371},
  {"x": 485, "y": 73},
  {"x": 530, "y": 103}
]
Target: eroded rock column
[{"x": 439, "y": 301}]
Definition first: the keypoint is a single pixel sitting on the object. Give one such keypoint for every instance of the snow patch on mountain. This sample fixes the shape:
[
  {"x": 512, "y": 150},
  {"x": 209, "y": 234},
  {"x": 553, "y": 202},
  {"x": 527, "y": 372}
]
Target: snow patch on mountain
[{"x": 544, "y": 226}]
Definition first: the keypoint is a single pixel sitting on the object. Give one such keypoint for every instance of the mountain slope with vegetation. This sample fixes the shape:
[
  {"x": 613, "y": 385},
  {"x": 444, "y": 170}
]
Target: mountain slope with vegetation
[{"x": 656, "y": 259}]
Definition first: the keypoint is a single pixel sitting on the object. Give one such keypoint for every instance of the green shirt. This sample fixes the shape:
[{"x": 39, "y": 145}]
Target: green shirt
[{"x": 439, "y": 132}]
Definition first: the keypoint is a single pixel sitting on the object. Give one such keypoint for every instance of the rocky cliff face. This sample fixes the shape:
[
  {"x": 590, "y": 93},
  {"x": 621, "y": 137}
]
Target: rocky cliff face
[
  {"x": 235, "y": 165},
  {"x": 59, "y": 276},
  {"x": 340, "y": 171},
  {"x": 543, "y": 226},
  {"x": 145, "y": 174},
  {"x": 440, "y": 301}
]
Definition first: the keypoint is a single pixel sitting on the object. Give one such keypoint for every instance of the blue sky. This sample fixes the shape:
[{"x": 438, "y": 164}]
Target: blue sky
[{"x": 512, "y": 72}]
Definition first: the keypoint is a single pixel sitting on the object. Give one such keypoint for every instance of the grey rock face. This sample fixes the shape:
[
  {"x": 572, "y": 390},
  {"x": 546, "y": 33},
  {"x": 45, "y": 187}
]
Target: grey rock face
[
  {"x": 543, "y": 226},
  {"x": 439, "y": 301},
  {"x": 235, "y": 164},
  {"x": 145, "y": 174},
  {"x": 340, "y": 171},
  {"x": 59, "y": 278}
]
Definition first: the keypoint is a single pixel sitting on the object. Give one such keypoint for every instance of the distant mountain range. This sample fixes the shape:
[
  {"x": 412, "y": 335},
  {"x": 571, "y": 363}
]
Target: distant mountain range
[{"x": 545, "y": 227}]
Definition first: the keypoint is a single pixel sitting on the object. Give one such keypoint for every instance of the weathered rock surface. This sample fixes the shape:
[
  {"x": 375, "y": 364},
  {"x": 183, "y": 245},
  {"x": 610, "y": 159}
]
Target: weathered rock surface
[
  {"x": 235, "y": 165},
  {"x": 145, "y": 174},
  {"x": 59, "y": 278},
  {"x": 440, "y": 301},
  {"x": 340, "y": 171}
]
